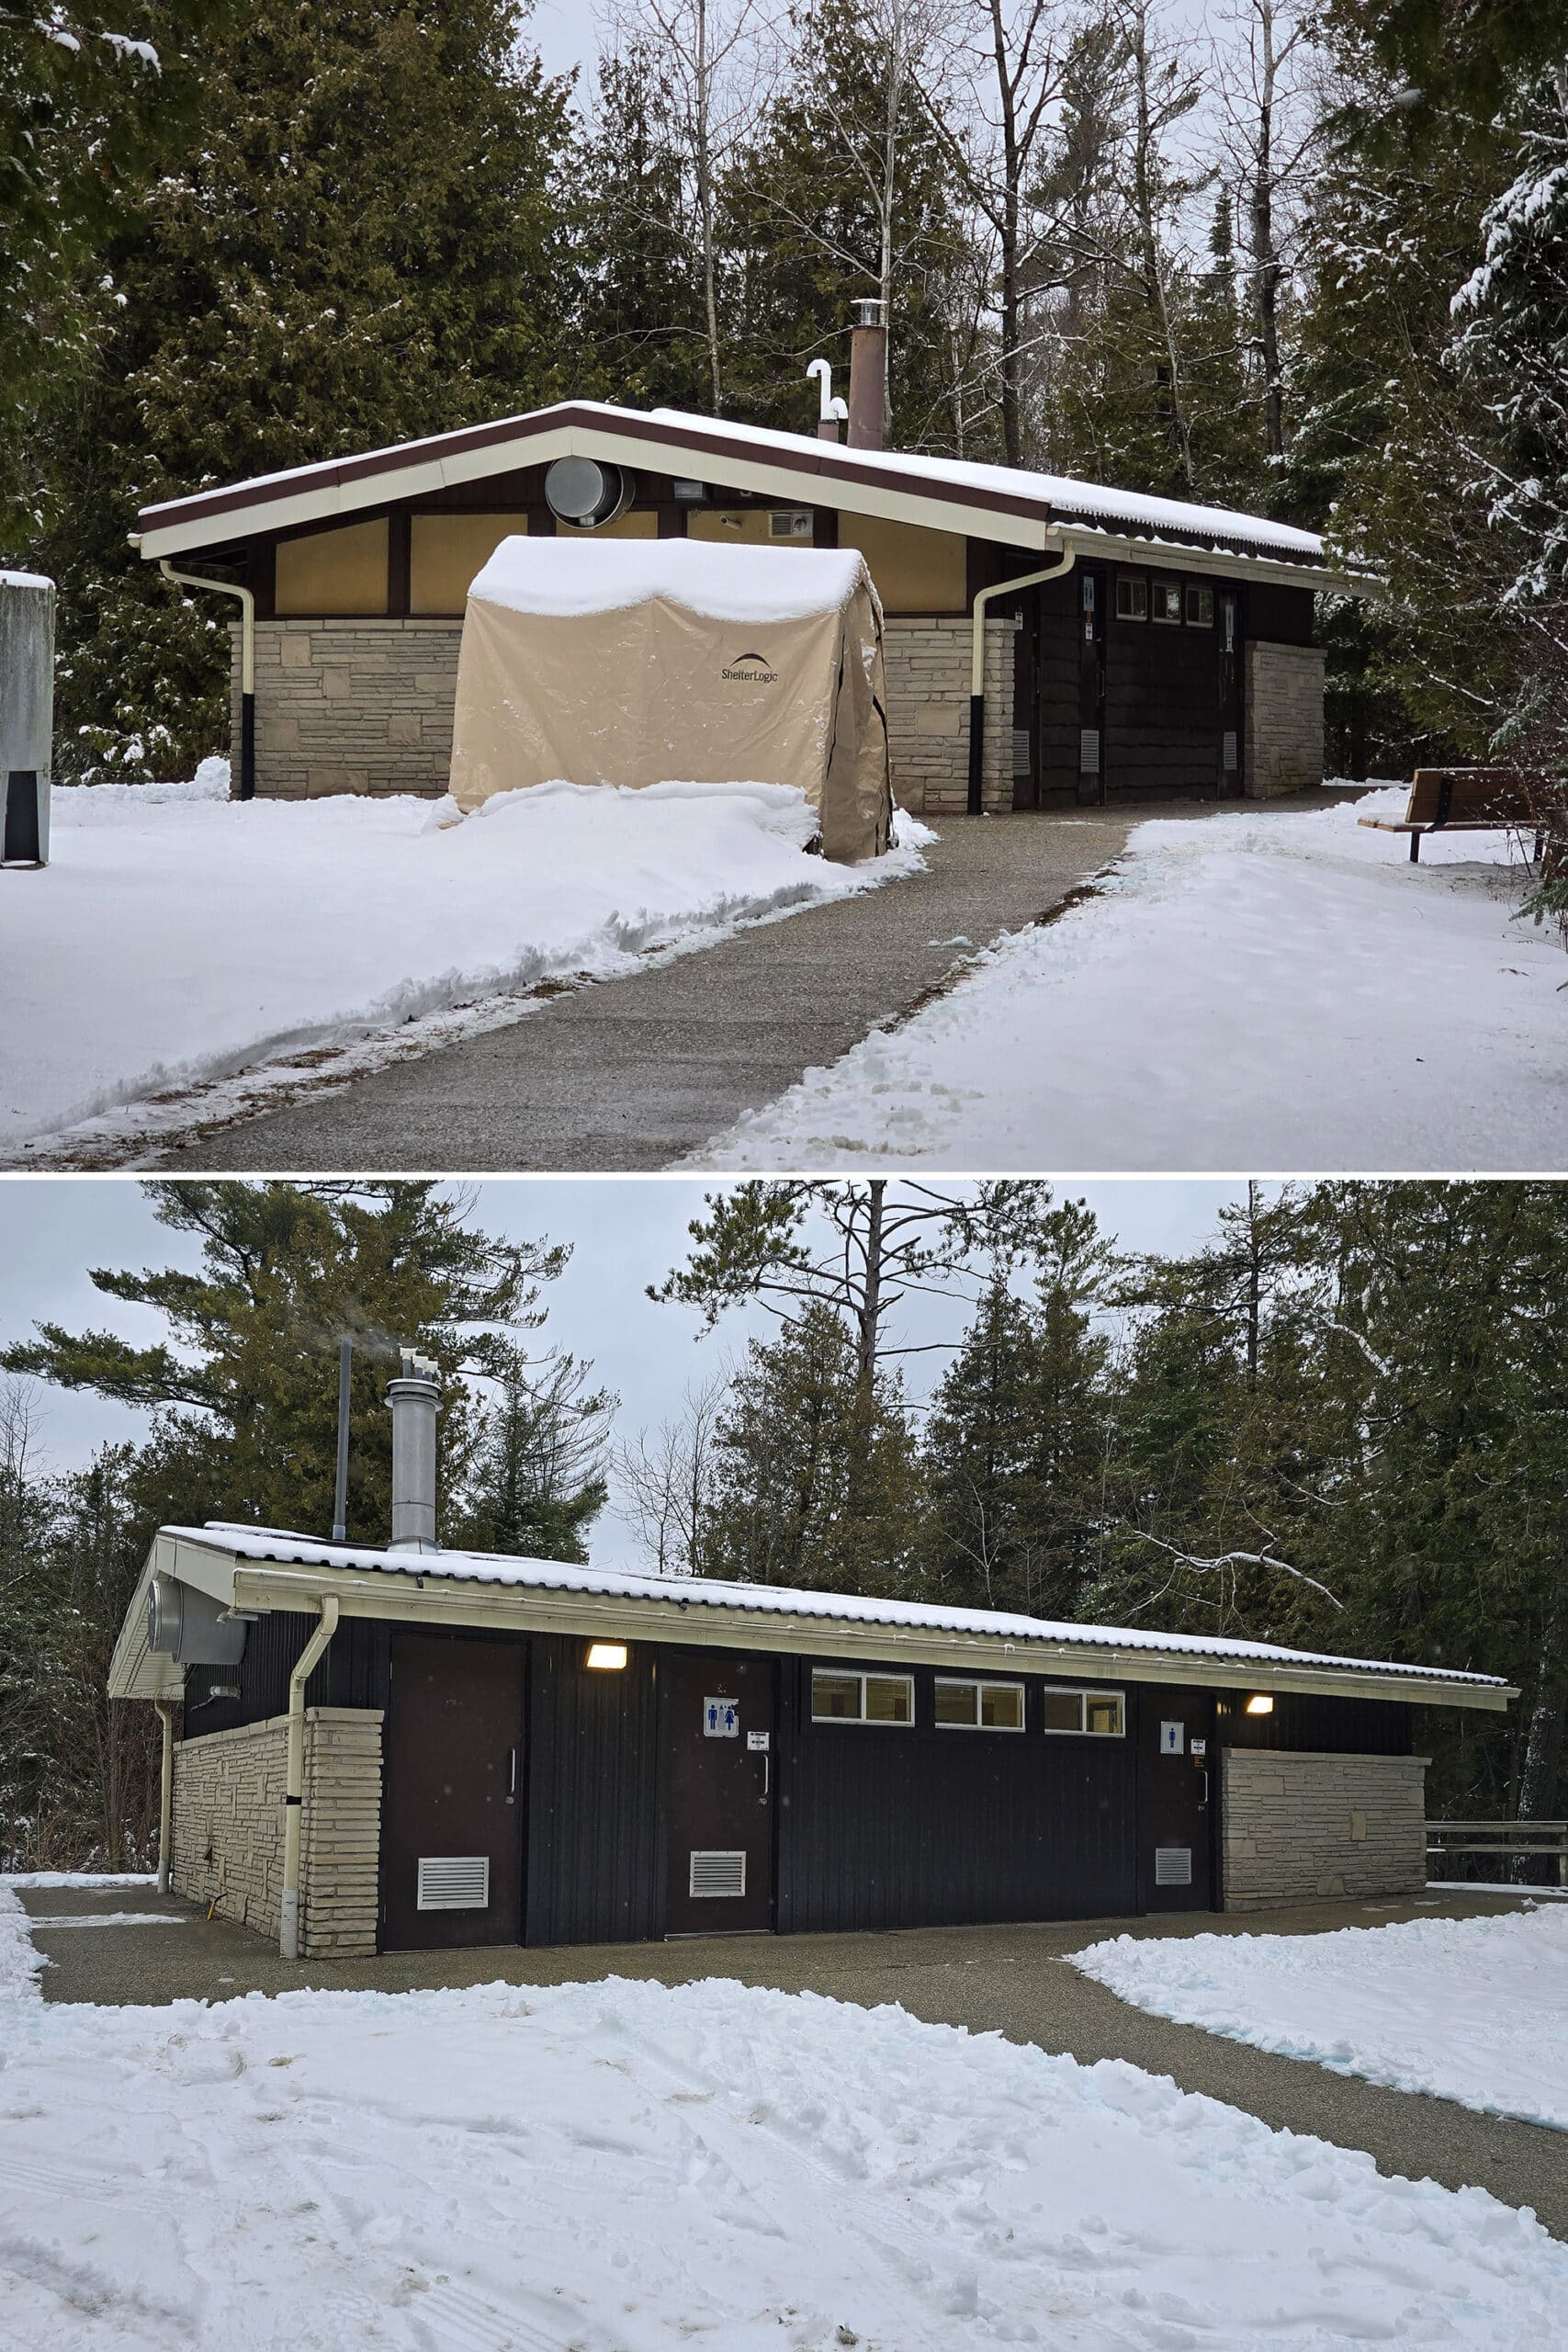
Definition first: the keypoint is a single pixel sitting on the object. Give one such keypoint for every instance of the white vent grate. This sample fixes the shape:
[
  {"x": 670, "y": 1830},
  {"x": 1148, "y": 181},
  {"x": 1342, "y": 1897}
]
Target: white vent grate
[
  {"x": 454, "y": 1881},
  {"x": 1173, "y": 1865},
  {"x": 1088, "y": 750},
  {"x": 718, "y": 1873},
  {"x": 1023, "y": 750},
  {"x": 1228, "y": 760}
]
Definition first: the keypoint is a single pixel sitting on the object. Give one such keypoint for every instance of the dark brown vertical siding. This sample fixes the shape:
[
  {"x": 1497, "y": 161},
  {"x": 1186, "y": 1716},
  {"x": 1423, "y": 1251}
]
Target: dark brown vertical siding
[
  {"x": 1058, "y": 720},
  {"x": 592, "y": 1857},
  {"x": 352, "y": 1674},
  {"x": 1279, "y": 615},
  {"x": 894, "y": 1827},
  {"x": 1313, "y": 1726}
]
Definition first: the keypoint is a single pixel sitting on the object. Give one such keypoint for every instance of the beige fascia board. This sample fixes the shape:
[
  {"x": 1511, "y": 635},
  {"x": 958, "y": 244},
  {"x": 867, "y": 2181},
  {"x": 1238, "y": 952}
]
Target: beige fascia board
[
  {"x": 700, "y": 1626},
  {"x": 135, "y": 1671}
]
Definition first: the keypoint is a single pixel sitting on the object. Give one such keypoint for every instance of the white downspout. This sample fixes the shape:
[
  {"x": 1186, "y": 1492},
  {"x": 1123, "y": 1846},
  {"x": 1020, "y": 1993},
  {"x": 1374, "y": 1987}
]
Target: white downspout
[
  {"x": 247, "y": 663},
  {"x": 294, "y": 1777},
  {"x": 166, "y": 1795},
  {"x": 1069, "y": 556}
]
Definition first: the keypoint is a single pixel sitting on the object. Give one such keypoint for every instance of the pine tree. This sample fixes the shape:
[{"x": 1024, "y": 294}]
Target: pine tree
[
  {"x": 814, "y": 1478},
  {"x": 537, "y": 1482},
  {"x": 366, "y": 243},
  {"x": 644, "y": 334},
  {"x": 245, "y": 1387}
]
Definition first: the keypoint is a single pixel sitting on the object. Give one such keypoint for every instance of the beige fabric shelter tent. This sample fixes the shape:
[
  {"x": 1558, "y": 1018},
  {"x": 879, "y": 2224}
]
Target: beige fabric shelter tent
[{"x": 647, "y": 662}]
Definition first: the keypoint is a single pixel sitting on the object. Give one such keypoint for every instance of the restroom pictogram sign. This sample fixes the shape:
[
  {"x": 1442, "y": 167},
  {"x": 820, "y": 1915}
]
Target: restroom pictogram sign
[{"x": 721, "y": 1719}]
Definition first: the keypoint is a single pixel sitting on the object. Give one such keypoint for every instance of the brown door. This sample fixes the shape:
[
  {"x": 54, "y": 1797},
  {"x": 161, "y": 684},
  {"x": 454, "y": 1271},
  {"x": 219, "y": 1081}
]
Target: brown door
[
  {"x": 1178, "y": 1769},
  {"x": 1092, "y": 621},
  {"x": 1227, "y": 638},
  {"x": 451, "y": 1837},
  {"x": 719, "y": 1780}
]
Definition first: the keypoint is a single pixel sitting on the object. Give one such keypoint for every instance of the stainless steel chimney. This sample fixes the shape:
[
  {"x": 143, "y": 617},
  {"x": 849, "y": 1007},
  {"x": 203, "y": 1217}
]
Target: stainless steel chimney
[
  {"x": 868, "y": 374},
  {"x": 415, "y": 1400}
]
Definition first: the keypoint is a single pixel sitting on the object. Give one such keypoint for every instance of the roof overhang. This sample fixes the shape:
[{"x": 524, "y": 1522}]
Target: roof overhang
[
  {"x": 421, "y": 1595},
  {"x": 814, "y": 472}
]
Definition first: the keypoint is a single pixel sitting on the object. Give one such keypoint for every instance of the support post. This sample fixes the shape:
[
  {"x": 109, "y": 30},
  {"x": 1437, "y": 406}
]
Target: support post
[
  {"x": 294, "y": 1777},
  {"x": 247, "y": 663}
]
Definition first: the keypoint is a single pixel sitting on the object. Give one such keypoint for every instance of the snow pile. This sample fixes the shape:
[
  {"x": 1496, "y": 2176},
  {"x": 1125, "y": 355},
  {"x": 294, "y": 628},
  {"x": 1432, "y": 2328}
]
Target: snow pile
[
  {"x": 1475, "y": 2010},
  {"x": 568, "y": 577},
  {"x": 96, "y": 1880},
  {"x": 622, "y": 2167},
  {"x": 179, "y": 936},
  {"x": 1271, "y": 991}
]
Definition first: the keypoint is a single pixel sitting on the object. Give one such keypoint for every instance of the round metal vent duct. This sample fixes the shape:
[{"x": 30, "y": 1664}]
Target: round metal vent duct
[
  {"x": 189, "y": 1627},
  {"x": 585, "y": 493},
  {"x": 163, "y": 1616}
]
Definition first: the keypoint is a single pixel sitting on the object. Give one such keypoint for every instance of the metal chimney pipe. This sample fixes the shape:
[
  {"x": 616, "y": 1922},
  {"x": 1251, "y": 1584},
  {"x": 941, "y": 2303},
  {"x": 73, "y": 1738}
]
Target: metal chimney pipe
[
  {"x": 340, "y": 1492},
  {"x": 868, "y": 373},
  {"x": 415, "y": 1400}
]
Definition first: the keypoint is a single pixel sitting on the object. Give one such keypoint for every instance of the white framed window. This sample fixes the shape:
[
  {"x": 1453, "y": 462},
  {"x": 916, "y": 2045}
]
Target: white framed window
[
  {"x": 1167, "y": 602},
  {"x": 1199, "y": 607},
  {"x": 840, "y": 1697},
  {"x": 1131, "y": 598},
  {"x": 979, "y": 1706},
  {"x": 1086, "y": 1714}
]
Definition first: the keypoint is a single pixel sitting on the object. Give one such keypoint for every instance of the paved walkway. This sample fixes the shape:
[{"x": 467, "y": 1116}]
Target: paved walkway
[
  {"x": 994, "y": 1980},
  {"x": 633, "y": 1073}
]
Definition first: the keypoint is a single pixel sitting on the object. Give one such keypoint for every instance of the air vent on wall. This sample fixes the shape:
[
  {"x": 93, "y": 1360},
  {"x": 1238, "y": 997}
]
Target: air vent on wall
[
  {"x": 718, "y": 1873},
  {"x": 1173, "y": 1865},
  {"x": 1228, "y": 760},
  {"x": 1021, "y": 751},
  {"x": 1088, "y": 750},
  {"x": 454, "y": 1881}
]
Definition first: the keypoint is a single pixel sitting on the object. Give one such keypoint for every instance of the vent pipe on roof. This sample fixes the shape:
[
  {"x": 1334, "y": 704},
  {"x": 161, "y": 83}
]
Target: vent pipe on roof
[
  {"x": 415, "y": 1400},
  {"x": 830, "y": 412},
  {"x": 868, "y": 374}
]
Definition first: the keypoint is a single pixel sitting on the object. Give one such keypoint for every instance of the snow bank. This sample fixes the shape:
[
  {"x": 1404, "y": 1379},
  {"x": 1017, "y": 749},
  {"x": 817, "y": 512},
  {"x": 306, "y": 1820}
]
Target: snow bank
[
  {"x": 568, "y": 577},
  {"x": 622, "y": 2168},
  {"x": 1269, "y": 991},
  {"x": 179, "y": 936},
  {"x": 1475, "y": 2010},
  {"x": 97, "y": 1879}
]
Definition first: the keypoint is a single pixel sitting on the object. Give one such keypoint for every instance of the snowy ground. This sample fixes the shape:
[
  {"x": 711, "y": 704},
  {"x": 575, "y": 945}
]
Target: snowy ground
[
  {"x": 1271, "y": 992},
  {"x": 625, "y": 2167},
  {"x": 1470, "y": 2009},
  {"x": 178, "y": 937}
]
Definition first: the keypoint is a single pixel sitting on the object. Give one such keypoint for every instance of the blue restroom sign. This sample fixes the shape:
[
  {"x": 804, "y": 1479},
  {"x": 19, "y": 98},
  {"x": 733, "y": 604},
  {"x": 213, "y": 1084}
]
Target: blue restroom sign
[{"x": 721, "y": 1719}]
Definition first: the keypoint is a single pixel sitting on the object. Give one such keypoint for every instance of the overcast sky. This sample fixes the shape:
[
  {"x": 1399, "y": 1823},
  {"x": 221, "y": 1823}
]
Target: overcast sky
[{"x": 625, "y": 1232}]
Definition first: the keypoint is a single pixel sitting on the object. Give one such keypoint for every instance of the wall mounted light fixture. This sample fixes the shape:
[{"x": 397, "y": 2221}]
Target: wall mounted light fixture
[{"x": 607, "y": 1655}]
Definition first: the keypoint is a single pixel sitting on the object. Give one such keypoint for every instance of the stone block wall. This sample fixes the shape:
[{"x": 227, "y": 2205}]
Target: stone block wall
[
  {"x": 928, "y": 713},
  {"x": 352, "y": 705},
  {"x": 1300, "y": 1826},
  {"x": 227, "y": 1830},
  {"x": 1284, "y": 697},
  {"x": 366, "y": 706}
]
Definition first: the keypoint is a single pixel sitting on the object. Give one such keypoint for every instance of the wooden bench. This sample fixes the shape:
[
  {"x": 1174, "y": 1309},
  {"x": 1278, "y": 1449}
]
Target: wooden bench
[{"x": 1477, "y": 801}]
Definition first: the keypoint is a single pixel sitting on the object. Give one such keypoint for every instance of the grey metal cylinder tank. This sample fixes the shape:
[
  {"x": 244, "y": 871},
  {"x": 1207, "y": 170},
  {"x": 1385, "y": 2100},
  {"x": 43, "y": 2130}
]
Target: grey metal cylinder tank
[
  {"x": 27, "y": 716},
  {"x": 415, "y": 1400}
]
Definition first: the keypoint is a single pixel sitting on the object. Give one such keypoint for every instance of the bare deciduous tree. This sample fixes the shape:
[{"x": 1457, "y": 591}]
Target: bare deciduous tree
[{"x": 664, "y": 1478}]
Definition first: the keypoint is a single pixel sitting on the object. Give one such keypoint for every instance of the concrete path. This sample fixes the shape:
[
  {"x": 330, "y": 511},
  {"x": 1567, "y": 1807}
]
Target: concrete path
[
  {"x": 1010, "y": 1980},
  {"x": 633, "y": 1073}
]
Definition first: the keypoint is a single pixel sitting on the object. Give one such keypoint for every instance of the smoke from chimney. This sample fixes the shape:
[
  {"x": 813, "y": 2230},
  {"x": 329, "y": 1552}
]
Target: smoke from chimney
[
  {"x": 868, "y": 374},
  {"x": 415, "y": 1399}
]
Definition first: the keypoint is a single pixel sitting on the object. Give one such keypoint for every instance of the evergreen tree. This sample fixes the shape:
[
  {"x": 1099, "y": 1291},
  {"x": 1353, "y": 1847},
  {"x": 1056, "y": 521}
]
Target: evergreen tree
[
  {"x": 245, "y": 1387},
  {"x": 537, "y": 1482},
  {"x": 366, "y": 243},
  {"x": 644, "y": 334},
  {"x": 814, "y": 1478}
]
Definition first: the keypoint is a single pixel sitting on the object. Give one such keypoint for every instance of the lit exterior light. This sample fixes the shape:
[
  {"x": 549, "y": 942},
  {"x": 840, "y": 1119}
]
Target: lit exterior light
[
  {"x": 1261, "y": 1704},
  {"x": 608, "y": 1656}
]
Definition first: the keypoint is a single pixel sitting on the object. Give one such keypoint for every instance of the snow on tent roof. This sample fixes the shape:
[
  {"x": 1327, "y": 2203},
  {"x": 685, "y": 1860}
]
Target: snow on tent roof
[
  {"x": 504, "y": 1570},
  {"x": 572, "y": 577}
]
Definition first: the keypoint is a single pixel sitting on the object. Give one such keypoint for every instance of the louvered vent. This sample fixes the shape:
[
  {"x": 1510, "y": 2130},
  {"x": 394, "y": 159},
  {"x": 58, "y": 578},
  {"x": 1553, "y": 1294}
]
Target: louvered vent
[
  {"x": 454, "y": 1881},
  {"x": 1088, "y": 750},
  {"x": 1021, "y": 750},
  {"x": 1228, "y": 753},
  {"x": 1173, "y": 1865},
  {"x": 718, "y": 1873}
]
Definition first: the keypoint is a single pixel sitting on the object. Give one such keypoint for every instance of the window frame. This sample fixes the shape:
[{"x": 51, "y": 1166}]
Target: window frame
[
  {"x": 978, "y": 1682},
  {"x": 1167, "y": 619},
  {"x": 1083, "y": 1694},
  {"x": 1192, "y": 593},
  {"x": 863, "y": 1676},
  {"x": 1136, "y": 584}
]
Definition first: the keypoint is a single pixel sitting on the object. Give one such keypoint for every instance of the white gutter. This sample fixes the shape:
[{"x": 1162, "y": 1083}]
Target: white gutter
[
  {"x": 977, "y": 666},
  {"x": 248, "y": 664},
  {"x": 166, "y": 1795},
  {"x": 294, "y": 1777}
]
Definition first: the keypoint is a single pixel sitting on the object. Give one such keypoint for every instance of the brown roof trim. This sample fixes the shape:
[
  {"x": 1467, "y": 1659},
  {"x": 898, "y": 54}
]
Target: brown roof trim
[{"x": 825, "y": 460}]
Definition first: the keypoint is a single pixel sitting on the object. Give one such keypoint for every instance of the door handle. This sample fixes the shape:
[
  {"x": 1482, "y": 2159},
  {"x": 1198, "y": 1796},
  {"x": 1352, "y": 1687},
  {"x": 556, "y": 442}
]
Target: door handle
[
  {"x": 511, "y": 1784},
  {"x": 767, "y": 1775},
  {"x": 1204, "y": 1800}
]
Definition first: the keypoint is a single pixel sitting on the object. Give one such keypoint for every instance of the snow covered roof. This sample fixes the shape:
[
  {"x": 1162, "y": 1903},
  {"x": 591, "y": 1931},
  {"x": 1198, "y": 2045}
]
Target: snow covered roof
[
  {"x": 1007, "y": 504},
  {"x": 271, "y": 1568},
  {"x": 562, "y": 577},
  {"x": 24, "y": 580}
]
